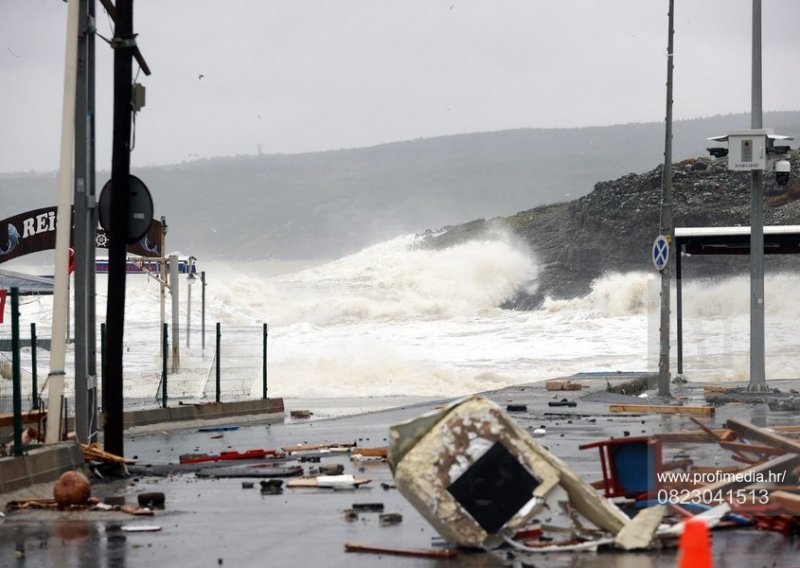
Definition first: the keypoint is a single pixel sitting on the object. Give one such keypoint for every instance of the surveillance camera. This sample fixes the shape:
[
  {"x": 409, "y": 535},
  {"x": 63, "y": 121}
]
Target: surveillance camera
[
  {"x": 718, "y": 152},
  {"x": 782, "y": 170}
]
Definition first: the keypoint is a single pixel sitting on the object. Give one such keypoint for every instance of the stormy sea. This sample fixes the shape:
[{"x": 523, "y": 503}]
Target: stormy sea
[{"x": 398, "y": 321}]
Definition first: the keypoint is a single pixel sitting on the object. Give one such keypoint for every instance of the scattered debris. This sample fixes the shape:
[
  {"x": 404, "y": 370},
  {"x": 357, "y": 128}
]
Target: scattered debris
[
  {"x": 228, "y": 428},
  {"x": 388, "y": 519},
  {"x": 632, "y": 387},
  {"x": 272, "y": 486},
  {"x": 268, "y": 470},
  {"x": 475, "y": 475},
  {"x": 632, "y": 467},
  {"x": 359, "y": 452},
  {"x": 247, "y": 484},
  {"x": 72, "y": 488},
  {"x": 327, "y": 469},
  {"x": 563, "y": 402},
  {"x": 227, "y": 456},
  {"x": 140, "y": 528},
  {"x": 300, "y": 413},
  {"x": 662, "y": 409},
  {"x": 418, "y": 552},
  {"x": 368, "y": 507},
  {"x": 562, "y": 385},
  {"x": 94, "y": 452},
  {"x": 152, "y": 499},
  {"x": 784, "y": 404},
  {"x": 335, "y": 446},
  {"x": 329, "y": 481}
]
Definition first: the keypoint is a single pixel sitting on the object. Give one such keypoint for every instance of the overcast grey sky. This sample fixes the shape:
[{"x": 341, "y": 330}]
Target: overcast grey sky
[{"x": 294, "y": 76}]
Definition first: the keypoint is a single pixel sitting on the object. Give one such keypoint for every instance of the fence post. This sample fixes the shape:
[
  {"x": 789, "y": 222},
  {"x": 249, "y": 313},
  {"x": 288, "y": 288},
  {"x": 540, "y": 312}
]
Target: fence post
[
  {"x": 164, "y": 351},
  {"x": 219, "y": 364},
  {"x": 34, "y": 384},
  {"x": 264, "y": 363},
  {"x": 103, "y": 357},
  {"x": 16, "y": 371}
]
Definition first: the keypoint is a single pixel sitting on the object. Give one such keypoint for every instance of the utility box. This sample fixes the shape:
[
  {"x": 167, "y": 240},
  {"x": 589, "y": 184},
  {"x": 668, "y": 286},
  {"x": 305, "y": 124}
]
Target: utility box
[{"x": 747, "y": 150}]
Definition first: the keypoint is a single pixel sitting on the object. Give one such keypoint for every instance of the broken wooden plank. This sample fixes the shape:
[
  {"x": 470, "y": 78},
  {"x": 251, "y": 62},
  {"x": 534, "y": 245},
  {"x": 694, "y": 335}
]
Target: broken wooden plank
[
  {"x": 95, "y": 452},
  {"x": 418, "y": 552},
  {"x": 739, "y": 447},
  {"x": 751, "y": 432},
  {"x": 790, "y": 502},
  {"x": 562, "y": 385},
  {"x": 716, "y": 389},
  {"x": 372, "y": 452},
  {"x": 695, "y": 436},
  {"x": 320, "y": 446},
  {"x": 662, "y": 409},
  {"x": 32, "y": 416},
  {"x": 774, "y": 469}
]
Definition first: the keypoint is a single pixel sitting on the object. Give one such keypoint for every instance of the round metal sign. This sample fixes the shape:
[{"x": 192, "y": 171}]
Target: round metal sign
[
  {"x": 140, "y": 209},
  {"x": 660, "y": 252}
]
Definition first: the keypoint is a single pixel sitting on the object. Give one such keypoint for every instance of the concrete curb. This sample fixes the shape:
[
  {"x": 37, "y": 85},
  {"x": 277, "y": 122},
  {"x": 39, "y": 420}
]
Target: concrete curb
[
  {"x": 40, "y": 465},
  {"x": 45, "y": 464}
]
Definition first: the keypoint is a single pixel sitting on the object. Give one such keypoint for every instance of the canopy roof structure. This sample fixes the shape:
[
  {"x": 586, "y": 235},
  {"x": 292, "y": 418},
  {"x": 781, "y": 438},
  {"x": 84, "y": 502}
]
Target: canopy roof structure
[
  {"x": 28, "y": 284},
  {"x": 778, "y": 239}
]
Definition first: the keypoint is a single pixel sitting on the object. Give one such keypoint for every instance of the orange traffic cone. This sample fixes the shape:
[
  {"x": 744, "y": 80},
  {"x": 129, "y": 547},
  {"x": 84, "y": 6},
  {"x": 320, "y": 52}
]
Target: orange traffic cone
[{"x": 695, "y": 545}]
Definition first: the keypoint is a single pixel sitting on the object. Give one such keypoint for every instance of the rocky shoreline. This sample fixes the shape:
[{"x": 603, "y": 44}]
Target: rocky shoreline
[{"x": 612, "y": 229}]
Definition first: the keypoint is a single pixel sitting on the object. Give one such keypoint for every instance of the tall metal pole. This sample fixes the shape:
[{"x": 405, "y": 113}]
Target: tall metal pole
[
  {"x": 758, "y": 381},
  {"x": 123, "y": 43},
  {"x": 58, "y": 345},
  {"x": 666, "y": 223},
  {"x": 85, "y": 228}
]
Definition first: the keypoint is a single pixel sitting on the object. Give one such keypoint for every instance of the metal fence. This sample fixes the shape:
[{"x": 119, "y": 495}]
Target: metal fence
[{"x": 219, "y": 364}]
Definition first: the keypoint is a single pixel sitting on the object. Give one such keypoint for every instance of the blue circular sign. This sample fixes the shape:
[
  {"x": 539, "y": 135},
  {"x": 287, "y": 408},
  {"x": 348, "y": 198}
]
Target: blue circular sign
[{"x": 660, "y": 252}]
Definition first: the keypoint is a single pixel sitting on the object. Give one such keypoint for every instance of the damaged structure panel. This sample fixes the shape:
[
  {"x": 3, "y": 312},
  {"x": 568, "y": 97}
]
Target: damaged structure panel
[{"x": 476, "y": 475}]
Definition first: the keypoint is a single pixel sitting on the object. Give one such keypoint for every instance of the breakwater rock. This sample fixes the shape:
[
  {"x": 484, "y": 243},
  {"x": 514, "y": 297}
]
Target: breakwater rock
[{"x": 612, "y": 228}]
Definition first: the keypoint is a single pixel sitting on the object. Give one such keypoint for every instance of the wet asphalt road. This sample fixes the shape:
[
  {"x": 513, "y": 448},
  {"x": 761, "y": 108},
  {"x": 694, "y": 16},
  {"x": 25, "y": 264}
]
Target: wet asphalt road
[{"x": 216, "y": 522}]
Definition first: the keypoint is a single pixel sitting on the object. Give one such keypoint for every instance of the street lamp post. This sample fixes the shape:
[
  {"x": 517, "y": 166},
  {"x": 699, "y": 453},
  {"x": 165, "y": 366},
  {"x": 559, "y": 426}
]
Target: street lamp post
[{"x": 755, "y": 150}]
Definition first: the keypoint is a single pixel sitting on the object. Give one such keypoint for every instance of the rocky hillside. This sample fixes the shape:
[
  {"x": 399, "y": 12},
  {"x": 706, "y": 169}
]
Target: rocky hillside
[{"x": 613, "y": 227}]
